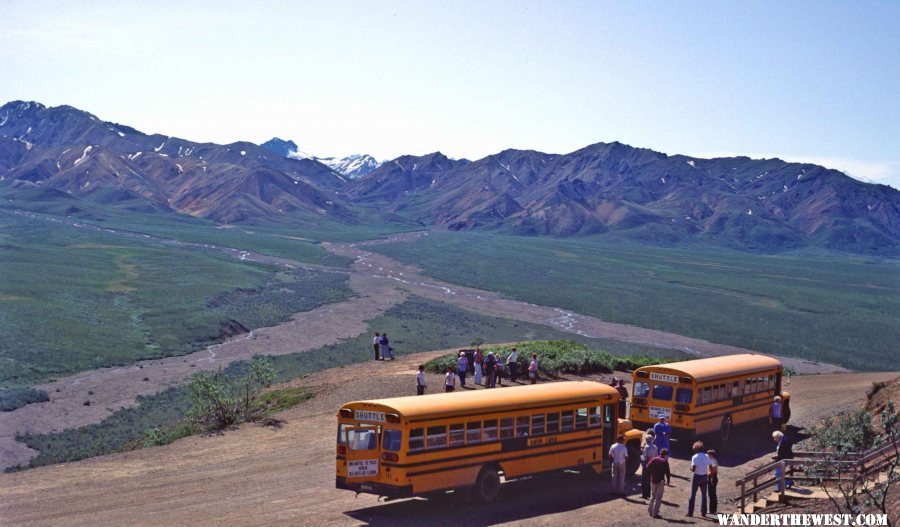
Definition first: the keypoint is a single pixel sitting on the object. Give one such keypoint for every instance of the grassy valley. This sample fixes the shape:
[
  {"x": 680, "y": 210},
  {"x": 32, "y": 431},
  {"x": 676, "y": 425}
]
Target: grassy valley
[{"x": 826, "y": 307}]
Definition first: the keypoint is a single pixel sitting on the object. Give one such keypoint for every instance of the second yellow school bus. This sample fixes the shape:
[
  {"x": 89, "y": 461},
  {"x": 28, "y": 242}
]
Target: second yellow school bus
[
  {"x": 708, "y": 396},
  {"x": 410, "y": 446}
]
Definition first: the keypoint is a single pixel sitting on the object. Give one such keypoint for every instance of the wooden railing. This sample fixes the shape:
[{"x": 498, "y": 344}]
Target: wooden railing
[{"x": 816, "y": 467}]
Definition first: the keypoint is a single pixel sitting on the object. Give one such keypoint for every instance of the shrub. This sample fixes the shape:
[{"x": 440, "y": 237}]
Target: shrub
[
  {"x": 14, "y": 398},
  {"x": 219, "y": 400}
]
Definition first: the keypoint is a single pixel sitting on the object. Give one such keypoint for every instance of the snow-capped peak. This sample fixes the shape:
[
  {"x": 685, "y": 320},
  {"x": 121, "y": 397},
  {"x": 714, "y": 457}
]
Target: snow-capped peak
[{"x": 352, "y": 166}]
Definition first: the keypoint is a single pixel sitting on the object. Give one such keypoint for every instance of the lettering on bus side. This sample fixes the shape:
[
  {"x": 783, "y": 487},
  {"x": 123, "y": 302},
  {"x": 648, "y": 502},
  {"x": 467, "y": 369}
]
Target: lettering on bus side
[{"x": 541, "y": 441}]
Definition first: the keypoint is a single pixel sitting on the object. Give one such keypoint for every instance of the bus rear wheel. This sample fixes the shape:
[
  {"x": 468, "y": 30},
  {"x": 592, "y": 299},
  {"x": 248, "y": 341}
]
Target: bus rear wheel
[
  {"x": 725, "y": 429},
  {"x": 487, "y": 486}
]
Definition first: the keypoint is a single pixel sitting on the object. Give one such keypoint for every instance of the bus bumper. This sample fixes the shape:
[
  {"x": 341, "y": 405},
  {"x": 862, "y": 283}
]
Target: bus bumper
[{"x": 370, "y": 487}]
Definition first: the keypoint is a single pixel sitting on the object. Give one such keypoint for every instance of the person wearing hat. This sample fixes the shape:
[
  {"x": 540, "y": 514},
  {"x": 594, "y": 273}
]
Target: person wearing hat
[
  {"x": 462, "y": 365},
  {"x": 490, "y": 370},
  {"x": 775, "y": 413},
  {"x": 663, "y": 431},
  {"x": 623, "y": 399}
]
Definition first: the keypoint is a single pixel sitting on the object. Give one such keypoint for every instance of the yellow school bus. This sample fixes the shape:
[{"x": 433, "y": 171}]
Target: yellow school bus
[
  {"x": 421, "y": 445},
  {"x": 708, "y": 396}
]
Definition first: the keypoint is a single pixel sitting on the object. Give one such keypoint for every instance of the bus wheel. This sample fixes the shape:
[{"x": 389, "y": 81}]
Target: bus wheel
[
  {"x": 487, "y": 486},
  {"x": 725, "y": 429},
  {"x": 634, "y": 459}
]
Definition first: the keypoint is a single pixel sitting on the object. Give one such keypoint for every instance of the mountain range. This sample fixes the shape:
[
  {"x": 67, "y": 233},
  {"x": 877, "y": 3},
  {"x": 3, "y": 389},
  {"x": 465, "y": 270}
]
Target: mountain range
[{"x": 607, "y": 188}]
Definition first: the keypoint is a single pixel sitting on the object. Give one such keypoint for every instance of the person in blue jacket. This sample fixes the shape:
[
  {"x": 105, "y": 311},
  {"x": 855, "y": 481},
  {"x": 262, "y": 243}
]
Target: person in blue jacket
[{"x": 663, "y": 431}]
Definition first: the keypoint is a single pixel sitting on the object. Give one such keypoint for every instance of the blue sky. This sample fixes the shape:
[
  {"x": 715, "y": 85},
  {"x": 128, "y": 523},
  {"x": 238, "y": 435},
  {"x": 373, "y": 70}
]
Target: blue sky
[{"x": 811, "y": 81}]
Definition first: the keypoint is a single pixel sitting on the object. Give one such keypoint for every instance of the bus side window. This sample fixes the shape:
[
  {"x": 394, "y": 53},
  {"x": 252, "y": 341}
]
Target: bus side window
[
  {"x": 416, "y": 440},
  {"x": 553, "y": 423},
  {"x": 392, "y": 440},
  {"x": 581, "y": 419},
  {"x": 537, "y": 424},
  {"x": 735, "y": 390},
  {"x": 523, "y": 423},
  {"x": 608, "y": 414},
  {"x": 567, "y": 422},
  {"x": 457, "y": 434},
  {"x": 437, "y": 437},
  {"x": 722, "y": 395},
  {"x": 490, "y": 430},
  {"x": 473, "y": 432},
  {"x": 507, "y": 428},
  {"x": 706, "y": 393},
  {"x": 594, "y": 417}
]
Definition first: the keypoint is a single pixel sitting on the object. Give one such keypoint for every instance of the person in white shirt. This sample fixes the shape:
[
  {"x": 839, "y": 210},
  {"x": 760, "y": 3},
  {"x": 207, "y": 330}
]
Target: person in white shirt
[
  {"x": 420, "y": 380},
  {"x": 512, "y": 362},
  {"x": 700, "y": 467},
  {"x": 449, "y": 380},
  {"x": 618, "y": 453}
]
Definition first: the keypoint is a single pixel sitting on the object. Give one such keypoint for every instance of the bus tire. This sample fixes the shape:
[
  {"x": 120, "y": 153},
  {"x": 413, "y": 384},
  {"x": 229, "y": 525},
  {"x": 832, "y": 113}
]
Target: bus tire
[
  {"x": 634, "y": 459},
  {"x": 487, "y": 485},
  {"x": 725, "y": 429}
]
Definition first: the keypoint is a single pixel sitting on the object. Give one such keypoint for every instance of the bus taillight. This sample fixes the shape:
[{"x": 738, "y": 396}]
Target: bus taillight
[{"x": 387, "y": 456}]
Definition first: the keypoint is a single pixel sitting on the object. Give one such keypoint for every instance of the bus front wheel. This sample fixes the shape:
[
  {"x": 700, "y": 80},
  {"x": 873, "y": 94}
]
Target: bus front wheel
[
  {"x": 487, "y": 486},
  {"x": 725, "y": 429}
]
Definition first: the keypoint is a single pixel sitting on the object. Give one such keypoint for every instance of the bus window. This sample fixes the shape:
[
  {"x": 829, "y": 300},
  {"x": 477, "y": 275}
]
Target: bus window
[
  {"x": 662, "y": 392},
  {"x": 568, "y": 421},
  {"x": 684, "y": 395},
  {"x": 507, "y": 428},
  {"x": 391, "y": 440},
  {"x": 473, "y": 432},
  {"x": 342, "y": 434},
  {"x": 722, "y": 395},
  {"x": 608, "y": 413},
  {"x": 704, "y": 397},
  {"x": 437, "y": 437},
  {"x": 735, "y": 390},
  {"x": 522, "y": 425},
  {"x": 641, "y": 389},
  {"x": 594, "y": 418},
  {"x": 416, "y": 440},
  {"x": 366, "y": 439},
  {"x": 537, "y": 424},
  {"x": 490, "y": 430},
  {"x": 457, "y": 434},
  {"x": 581, "y": 418},
  {"x": 553, "y": 423}
]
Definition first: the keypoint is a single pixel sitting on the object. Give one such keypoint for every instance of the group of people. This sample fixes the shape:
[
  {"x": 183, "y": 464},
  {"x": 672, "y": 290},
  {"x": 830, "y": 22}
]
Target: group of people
[
  {"x": 382, "y": 346},
  {"x": 487, "y": 370},
  {"x": 656, "y": 474}
]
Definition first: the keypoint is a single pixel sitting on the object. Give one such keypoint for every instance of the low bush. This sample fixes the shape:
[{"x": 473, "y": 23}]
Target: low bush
[
  {"x": 219, "y": 400},
  {"x": 14, "y": 398}
]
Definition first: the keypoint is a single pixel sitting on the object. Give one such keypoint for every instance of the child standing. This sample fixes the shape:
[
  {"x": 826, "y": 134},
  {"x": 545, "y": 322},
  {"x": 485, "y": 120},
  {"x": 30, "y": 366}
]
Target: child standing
[
  {"x": 420, "y": 380},
  {"x": 449, "y": 380},
  {"x": 713, "y": 481}
]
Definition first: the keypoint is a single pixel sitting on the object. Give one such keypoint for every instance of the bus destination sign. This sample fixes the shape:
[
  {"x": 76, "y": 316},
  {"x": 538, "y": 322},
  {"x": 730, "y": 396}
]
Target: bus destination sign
[
  {"x": 365, "y": 415},
  {"x": 663, "y": 377}
]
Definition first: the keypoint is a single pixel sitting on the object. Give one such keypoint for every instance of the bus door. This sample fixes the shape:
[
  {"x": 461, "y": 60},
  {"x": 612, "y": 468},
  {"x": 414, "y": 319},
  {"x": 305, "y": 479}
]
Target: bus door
[
  {"x": 362, "y": 453},
  {"x": 609, "y": 431}
]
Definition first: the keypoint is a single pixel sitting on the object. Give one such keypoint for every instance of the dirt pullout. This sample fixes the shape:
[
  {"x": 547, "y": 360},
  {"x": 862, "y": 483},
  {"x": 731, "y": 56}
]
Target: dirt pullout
[
  {"x": 109, "y": 389},
  {"x": 411, "y": 279},
  {"x": 263, "y": 476}
]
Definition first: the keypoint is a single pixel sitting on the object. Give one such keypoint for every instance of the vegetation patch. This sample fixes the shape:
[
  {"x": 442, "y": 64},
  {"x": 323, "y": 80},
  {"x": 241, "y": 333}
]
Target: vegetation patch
[
  {"x": 557, "y": 357},
  {"x": 13, "y": 398},
  {"x": 825, "y": 307}
]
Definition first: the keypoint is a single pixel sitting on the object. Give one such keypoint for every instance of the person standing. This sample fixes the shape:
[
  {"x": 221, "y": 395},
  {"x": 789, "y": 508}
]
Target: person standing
[
  {"x": 618, "y": 453},
  {"x": 700, "y": 468},
  {"x": 462, "y": 364},
  {"x": 513, "y": 363},
  {"x": 785, "y": 450},
  {"x": 647, "y": 453},
  {"x": 623, "y": 399},
  {"x": 533, "y": 369},
  {"x": 775, "y": 413},
  {"x": 449, "y": 380},
  {"x": 479, "y": 361},
  {"x": 386, "y": 351},
  {"x": 713, "y": 481},
  {"x": 660, "y": 476},
  {"x": 375, "y": 344},
  {"x": 490, "y": 363},
  {"x": 420, "y": 380},
  {"x": 663, "y": 431}
]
